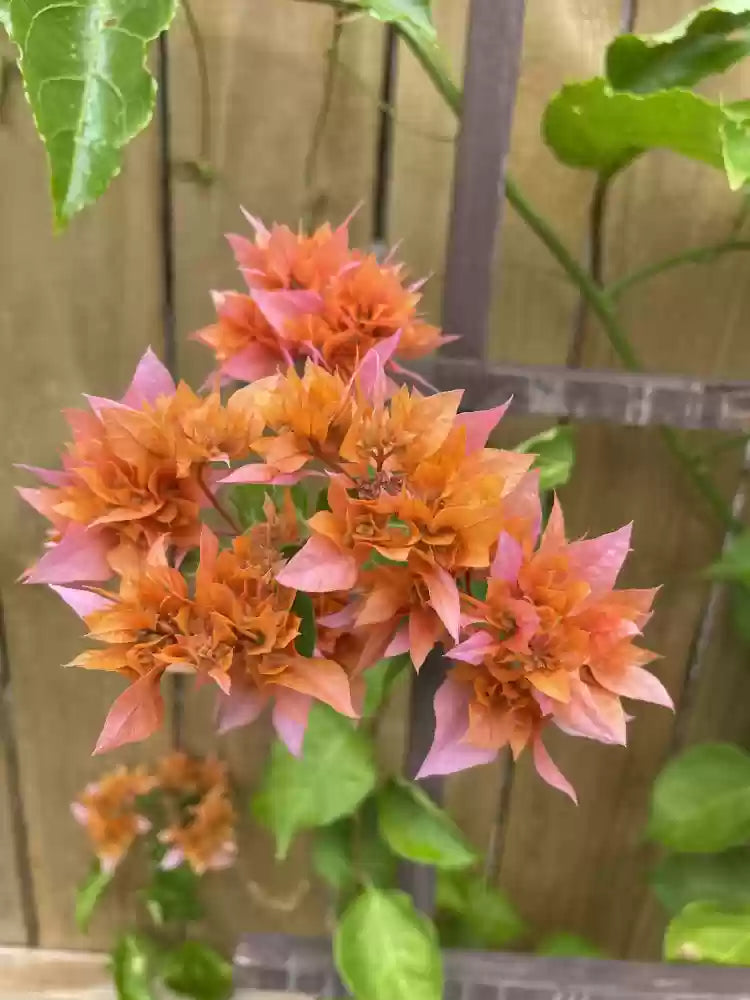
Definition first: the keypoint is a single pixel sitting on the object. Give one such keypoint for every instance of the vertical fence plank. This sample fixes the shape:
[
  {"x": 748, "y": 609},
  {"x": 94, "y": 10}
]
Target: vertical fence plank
[
  {"x": 76, "y": 311},
  {"x": 493, "y": 55},
  {"x": 275, "y": 153}
]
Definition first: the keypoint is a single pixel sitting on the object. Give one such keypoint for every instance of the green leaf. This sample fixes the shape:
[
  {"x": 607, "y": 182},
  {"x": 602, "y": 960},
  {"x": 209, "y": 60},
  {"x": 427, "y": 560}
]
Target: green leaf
[
  {"x": 555, "y": 455},
  {"x": 724, "y": 879},
  {"x": 701, "y": 800},
  {"x": 734, "y": 564},
  {"x": 472, "y": 914},
  {"x": 333, "y": 775},
  {"x": 564, "y": 945},
  {"x": 703, "y": 932},
  {"x": 739, "y": 609},
  {"x": 591, "y": 125},
  {"x": 307, "y": 638},
  {"x": 385, "y": 950},
  {"x": 194, "y": 970},
  {"x": 88, "y": 895},
  {"x": 132, "y": 962},
  {"x": 84, "y": 69},
  {"x": 418, "y": 830},
  {"x": 379, "y": 679},
  {"x": 247, "y": 500},
  {"x": 707, "y": 41},
  {"x": 352, "y": 850},
  {"x": 172, "y": 895},
  {"x": 5, "y": 14}
]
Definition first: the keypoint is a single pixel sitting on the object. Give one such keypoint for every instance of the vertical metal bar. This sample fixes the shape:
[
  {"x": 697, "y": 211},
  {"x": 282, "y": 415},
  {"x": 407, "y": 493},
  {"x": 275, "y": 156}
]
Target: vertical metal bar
[
  {"x": 384, "y": 149},
  {"x": 492, "y": 63},
  {"x": 169, "y": 299}
]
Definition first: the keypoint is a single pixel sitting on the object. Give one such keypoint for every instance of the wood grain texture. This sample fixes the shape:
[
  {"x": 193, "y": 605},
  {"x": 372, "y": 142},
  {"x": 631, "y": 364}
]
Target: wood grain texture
[
  {"x": 76, "y": 312},
  {"x": 622, "y": 475},
  {"x": 267, "y": 77}
]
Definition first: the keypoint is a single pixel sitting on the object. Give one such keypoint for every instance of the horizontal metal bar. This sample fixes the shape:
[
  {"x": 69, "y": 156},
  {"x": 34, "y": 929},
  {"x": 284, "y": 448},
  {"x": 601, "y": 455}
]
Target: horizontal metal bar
[
  {"x": 633, "y": 400},
  {"x": 304, "y": 965}
]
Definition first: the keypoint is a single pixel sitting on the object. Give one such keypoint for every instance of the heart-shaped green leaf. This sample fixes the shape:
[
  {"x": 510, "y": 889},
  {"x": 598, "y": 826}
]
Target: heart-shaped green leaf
[
  {"x": 352, "y": 851},
  {"x": 133, "y": 961},
  {"x": 472, "y": 914},
  {"x": 333, "y": 775},
  {"x": 591, "y": 125},
  {"x": 192, "y": 969},
  {"x": 385, "y": 950},
  {"x": 701, "y": 800},
  {"x": 83, "y": 64},
  {"x": 724, "y": 879},
  {"x": 704, "y": 932},
  {"x": 555, "y": 455},
  {"x": 172, "y": 895},
  {"x": 708, "y": 41},
  {"x": 418, "y": 830}
]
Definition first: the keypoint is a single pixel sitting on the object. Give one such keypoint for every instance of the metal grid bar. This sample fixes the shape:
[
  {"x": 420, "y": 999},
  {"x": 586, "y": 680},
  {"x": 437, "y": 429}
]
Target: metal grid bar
[
  {"x": 615, "y": 397},
  {"x": 492, "y": 65}
]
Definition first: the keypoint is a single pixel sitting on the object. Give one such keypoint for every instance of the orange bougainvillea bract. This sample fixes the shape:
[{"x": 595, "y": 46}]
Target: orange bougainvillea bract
[{"x": 279, "y": 539}]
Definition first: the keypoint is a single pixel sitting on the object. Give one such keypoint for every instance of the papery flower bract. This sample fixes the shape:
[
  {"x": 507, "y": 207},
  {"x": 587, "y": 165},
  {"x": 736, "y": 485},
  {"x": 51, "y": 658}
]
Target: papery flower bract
[
  {"x": 551, "y": 643},
  {"x": 237, "y": 628},
  {"x": 421, "y": 499},
  {"x": 135, "y": 472},
  {"x": 107, "y": 810},
  {"x": 311, "y": 296},
  {"x": 282, "y": 259},
  {"x": 207, "y": 841},
  {"x": 179, "y": 772}
]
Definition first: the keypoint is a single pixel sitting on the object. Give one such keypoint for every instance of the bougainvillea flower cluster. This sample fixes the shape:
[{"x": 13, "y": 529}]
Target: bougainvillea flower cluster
[
  {"x": 312, "y": 297},
  {"x": 377, "y": 521},
  {"x": 192, "y": 798}
]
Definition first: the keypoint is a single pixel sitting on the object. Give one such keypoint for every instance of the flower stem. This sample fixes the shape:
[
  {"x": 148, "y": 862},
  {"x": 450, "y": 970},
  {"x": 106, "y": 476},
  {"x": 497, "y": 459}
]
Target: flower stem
[
  {"x": 696, "y": 255},
  {"x": 217, "y": 505}
]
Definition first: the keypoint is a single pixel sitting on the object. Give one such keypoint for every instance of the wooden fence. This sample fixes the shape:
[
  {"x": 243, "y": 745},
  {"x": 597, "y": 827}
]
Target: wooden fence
[{"x": 76, "y": 312}]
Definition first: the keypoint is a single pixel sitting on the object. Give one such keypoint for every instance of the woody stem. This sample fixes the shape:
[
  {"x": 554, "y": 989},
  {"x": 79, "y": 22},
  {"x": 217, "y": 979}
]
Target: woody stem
[{"x": 217, "y": 505}]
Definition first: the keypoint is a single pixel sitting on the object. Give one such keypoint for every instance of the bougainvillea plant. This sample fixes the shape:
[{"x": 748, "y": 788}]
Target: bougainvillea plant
[
  {"x": 293, "y": 542},
  {"x": 178, "y": 818}
]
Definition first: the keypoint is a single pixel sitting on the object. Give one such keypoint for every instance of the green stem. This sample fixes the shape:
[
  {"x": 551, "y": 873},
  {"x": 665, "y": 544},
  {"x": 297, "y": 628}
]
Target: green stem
[
  {"x": 597, "y": 298},
  {"x": 696, "y": 255}
]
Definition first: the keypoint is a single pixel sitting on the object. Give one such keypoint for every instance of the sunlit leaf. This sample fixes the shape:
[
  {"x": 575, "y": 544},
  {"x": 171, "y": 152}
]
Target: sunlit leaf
[
  {"x": 591, "y": 125},
  {"x": 83, "y": 64},
  {"x": 473, "y": 914},
  {"x": 193, "y": 969},
  {"x": 564, "y": 945},
  {"x": 724, "y": 879},
  {"x": 132, "y": 962},
  {"x": 707, "y": 41},
  {"x": 701, "y": 800},
  {"x": 88, "y": 895},
  {"x": 5, "y": 14},
  {"x": 704, "y": 932},
  {"x": 418, "y": 830},
  {"x": 333, "y": 775},
  {"x": 555, "y": 455},
  {"x": 385, "y": 950}
]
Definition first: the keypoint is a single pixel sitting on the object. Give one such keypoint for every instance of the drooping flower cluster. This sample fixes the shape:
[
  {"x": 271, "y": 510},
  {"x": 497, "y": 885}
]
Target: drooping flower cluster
[
  {"x": 192, "y": 798},
  {"x": 406, "y": 532},
  {"x": 312, "y": 297}
]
